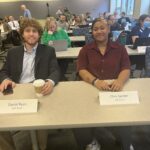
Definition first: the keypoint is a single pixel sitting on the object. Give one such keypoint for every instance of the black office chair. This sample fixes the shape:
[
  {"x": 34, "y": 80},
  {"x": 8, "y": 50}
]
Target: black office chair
[
  {"x": 2, "y": 52},
  {"x": 147, "y": 62},
  {"x": 80, "y": 31},
  {"x": 88, "y": 38}
]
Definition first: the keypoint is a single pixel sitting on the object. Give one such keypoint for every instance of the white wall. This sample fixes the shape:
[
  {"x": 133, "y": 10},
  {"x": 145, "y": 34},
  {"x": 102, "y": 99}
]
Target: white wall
[
  {"x": 112, "y": 6},
  {"x": 145, "y": 7},
  {"x": 39, "y": 10},
  {"x": 141, "y": 7}
]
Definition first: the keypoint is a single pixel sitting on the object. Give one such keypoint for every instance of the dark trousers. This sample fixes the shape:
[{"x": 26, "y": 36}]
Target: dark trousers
[
  {"x": 122, "y": 135},
  {"x": 63, "y": 65}
]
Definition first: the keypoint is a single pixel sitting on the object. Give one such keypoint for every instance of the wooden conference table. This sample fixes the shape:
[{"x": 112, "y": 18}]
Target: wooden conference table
[{"x": 75, "y": 104}]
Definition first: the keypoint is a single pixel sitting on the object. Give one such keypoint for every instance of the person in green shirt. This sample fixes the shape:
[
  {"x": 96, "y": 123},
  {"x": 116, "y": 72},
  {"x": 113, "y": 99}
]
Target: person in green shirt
[{"x": 53, "y": 33}]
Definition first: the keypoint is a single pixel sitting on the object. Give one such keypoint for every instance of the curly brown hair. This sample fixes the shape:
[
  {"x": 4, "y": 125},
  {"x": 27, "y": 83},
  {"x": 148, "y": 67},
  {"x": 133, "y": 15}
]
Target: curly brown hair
[{"x": 30, "y": 23}]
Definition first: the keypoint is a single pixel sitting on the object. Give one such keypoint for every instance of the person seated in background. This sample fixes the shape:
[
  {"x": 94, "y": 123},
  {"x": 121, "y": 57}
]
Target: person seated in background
[
  {"x": 20, "y": 20},
  {"x": 31, "y": 61},
  {"x": 48, "y": 19},
  {"x": 115, "y": 28},
  {"x": 79, "y": 20},
  {"x": 6, "y": 19},
  {"x": 12, "y": 35},
  {"x": 99, "y": 61},
  {"x": 52, "y": 33},
  {"x": 142, "y": 29},
  {"x": 88, "y": 17},
  {"x": 59, "y": 12},
  {"x": 116, "y": 16},
  {"x": 67, "y": 13},
  {"x": 5, "y": 29},
  {"x": 72, "y": 20},
  {"x": 14, "y": 25},
  {"x": 105, "y": 15},
  {"x": 123, "y": 21},
  {"x": 62, "y": 22},
  {"x": 114, "y": 25}
]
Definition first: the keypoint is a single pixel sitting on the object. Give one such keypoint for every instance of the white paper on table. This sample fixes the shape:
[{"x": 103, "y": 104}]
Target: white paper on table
[
  {"x": 118, "y": 98},
  {"x": 18, "y": 106},
  {"x": 141, "y": 49}
]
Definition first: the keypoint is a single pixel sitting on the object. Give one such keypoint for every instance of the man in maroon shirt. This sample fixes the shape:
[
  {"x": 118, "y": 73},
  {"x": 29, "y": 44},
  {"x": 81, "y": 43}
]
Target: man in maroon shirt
[{"x": 99, "y": 61}]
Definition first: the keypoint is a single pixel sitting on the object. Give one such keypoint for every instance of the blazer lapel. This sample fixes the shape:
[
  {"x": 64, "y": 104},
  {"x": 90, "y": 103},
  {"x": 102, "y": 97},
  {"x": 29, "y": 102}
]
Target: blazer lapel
[
  {"x": 38, "y": 56},
  {"x": 20, "y": 59}
]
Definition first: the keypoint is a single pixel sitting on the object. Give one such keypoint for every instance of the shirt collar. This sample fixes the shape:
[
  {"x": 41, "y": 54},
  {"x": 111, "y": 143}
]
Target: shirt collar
[
  {"x": 33, "y": 49},
  {"x": 110, "y": 45}
]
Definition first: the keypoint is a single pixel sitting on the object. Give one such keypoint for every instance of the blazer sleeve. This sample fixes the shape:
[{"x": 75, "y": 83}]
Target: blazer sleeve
[
  {"x": 54, "y": 71},
  {"x": 4, "y": 72}
]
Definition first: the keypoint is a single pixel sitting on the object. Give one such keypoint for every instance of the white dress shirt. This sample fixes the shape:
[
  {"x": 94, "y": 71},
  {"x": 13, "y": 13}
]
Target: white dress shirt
[
  {"x": 14, "y": 25},
  {"x": 27, "y": 74}
]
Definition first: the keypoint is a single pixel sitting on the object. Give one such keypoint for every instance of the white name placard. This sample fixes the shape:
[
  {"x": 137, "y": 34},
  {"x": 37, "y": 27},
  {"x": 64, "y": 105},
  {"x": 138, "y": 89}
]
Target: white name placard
[
  {"x": 141, "y": 49},
  {"x": 118, "y": 98},
  {"x": 18, "y": 106}
]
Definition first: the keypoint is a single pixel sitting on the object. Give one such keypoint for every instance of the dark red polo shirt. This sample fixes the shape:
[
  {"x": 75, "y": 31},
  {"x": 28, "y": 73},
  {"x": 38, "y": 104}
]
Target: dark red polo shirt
[{"x": 106, "y": 66}]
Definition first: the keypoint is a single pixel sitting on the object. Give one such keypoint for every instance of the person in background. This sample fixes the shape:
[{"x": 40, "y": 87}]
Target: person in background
[
  {"x": 98, "y": 62},
  {"x": 67, "y": 13},
  {"x": 79, "y": 20},
  {"x": 59, "y": 12},
  {"x": 115, "y": 28},
  {"x": 14, "y": 36},
  {"x": 123, "y": 20},
  {"x": 5, "y": 29},
  {"x": 48, "y": 19},
  {"x": 72, "y": 20},
  {"x": 52, "y": 32},
  {"x": 105, "y": 15},
  {"x": 142, "y": 29},
  {"x": 114, "y": 25},
  {"x": 14, "y": 25},
  {"x": 62, "y": 22},
  {"x": 116, "y": 15},
  {"x": 88, "y": 17},
  {"x": 20, "y": 20},
  {"x": 26, "y": 11},
  {"x": 6, "y": 19}
]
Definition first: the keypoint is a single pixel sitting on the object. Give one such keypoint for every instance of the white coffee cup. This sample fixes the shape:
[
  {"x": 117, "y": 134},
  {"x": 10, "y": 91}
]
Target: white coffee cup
[{"x": 38, "y": 85}]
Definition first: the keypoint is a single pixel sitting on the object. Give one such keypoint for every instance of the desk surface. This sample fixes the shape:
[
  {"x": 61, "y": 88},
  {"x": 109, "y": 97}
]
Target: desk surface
[
  {"x": 76, "y": 104},
  {"x": 73, "y": 52},
  {"x": 133, "y": 52},
  {"x": 77, "y": 38}
]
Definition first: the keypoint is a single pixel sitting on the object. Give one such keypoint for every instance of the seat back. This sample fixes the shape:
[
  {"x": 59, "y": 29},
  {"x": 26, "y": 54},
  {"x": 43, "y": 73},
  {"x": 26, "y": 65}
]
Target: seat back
[
  {"x": 147, "y": 62},
  {"x": 80, "y": 31},
  {"x": 88, "y": 38}
]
